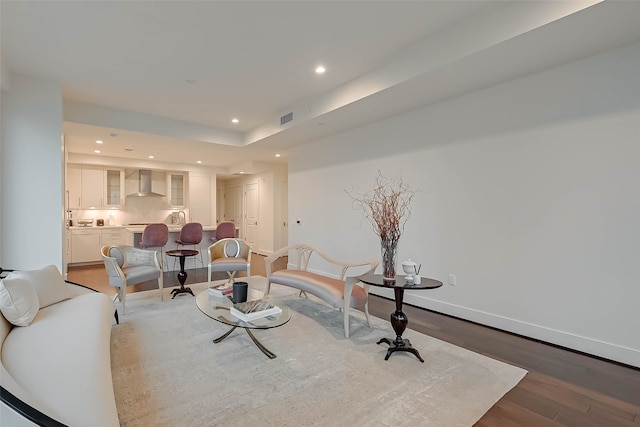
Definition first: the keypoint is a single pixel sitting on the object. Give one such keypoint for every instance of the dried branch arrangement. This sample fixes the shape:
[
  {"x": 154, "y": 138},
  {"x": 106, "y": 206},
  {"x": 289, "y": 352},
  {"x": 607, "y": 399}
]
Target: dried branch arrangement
[{"x": 387, "y": 207}]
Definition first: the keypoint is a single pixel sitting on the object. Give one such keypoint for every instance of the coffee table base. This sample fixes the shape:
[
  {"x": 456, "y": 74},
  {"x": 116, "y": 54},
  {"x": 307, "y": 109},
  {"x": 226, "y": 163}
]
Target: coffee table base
[
  {"x": 258, "y": 344},
  {"x": 400, "y": 344}
]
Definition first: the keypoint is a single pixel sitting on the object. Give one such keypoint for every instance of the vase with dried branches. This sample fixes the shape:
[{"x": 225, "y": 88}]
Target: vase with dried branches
[{"x": 387, "y": 206}]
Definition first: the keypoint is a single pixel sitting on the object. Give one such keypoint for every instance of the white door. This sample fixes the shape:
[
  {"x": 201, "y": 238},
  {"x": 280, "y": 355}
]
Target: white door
[
  {"x": 221, "y": 198},
  {"x": 233, "y": 206},
  {"x": 252, "y": 205}
]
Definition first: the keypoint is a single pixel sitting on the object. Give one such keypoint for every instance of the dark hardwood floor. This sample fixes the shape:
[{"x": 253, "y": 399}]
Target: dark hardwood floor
[{"x": 562, "y": 388}]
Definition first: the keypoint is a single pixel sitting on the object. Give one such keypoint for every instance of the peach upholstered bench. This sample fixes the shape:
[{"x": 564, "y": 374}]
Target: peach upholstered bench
[{"x": 332, "y": 290}]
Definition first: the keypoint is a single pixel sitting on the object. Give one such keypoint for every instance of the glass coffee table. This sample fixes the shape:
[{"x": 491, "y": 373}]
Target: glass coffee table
[{"x": 217, "y": 308}]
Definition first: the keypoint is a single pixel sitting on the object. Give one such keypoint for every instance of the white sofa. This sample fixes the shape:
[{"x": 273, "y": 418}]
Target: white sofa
[{"x": 56, "y": 361}]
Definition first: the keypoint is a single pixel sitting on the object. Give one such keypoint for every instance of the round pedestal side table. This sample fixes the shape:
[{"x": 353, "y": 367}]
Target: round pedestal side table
[{"x": 399, "y": 320}]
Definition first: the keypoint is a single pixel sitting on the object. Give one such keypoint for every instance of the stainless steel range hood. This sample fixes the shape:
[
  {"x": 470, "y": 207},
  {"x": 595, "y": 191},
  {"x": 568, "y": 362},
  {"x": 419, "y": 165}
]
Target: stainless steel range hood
[{"x": 144, "y": 179}]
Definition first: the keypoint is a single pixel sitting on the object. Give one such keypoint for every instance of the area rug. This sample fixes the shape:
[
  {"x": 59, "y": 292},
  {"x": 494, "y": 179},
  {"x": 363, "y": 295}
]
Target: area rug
[{"x": 168, "y": 372}]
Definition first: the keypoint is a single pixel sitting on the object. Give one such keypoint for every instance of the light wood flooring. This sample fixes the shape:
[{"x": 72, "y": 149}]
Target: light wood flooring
[{"x": 562, "y": 388}]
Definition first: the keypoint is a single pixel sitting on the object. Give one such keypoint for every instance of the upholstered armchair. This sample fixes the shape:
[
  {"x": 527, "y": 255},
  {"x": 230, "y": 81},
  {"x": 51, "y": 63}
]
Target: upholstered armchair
[
  {"x": 126, "y": 265},
  {"x": 230, "y": 255}
]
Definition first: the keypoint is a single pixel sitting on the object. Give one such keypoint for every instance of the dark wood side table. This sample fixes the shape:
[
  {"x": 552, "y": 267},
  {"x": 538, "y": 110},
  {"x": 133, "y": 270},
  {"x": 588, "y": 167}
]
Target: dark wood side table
[
  {"x": 399, "y": 320},
  {"x": 182, "y": 275}
]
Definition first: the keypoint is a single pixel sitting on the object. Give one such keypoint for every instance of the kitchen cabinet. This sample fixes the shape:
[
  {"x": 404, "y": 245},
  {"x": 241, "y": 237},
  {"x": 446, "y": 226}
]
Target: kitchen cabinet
[
  {"x": 114, "y": 188},
  {"x": 67, "y": 246},
  {"x": 74, "y": 188},
  {"x": 175, "y": 187},
  {"x": 112, "y": 236},
  {"x": 200, "y": 199},
  {"x": 91, "y": 186},
  {"x": 86, "y": 243}
]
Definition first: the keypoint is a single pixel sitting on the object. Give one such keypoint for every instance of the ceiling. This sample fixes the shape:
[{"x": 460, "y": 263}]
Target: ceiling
[{"x": 165, "y": 78}]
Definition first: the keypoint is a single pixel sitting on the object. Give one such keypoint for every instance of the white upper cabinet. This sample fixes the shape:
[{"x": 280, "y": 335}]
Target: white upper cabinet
[
  {"x": 114, "y": 188},
  {"x": 74, "y": 185},
  {"x": 175, "y": 189},
  {"x": 92, "y": 185},
  {"x": 200, "y": 199},
  {"x": 95, "y": 187}
]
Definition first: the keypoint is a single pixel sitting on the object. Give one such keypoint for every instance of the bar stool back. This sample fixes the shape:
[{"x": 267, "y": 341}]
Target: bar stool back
[{"x": 156, "y": 236}]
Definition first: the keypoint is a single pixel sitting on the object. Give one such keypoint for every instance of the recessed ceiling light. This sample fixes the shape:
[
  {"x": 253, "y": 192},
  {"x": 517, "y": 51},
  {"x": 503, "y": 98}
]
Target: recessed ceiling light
[
  {"x": 320, "y": 69},
  {"x": 277, "y": 155},
  {"x": 241, "y": 172},
  {"x": 96, "y": 151},
  {"x": 98, "y": 142},
  {"x": 234, "y": 120},
  {"x": 151, "y": 157},
  {"x": 199, "y": 161}
]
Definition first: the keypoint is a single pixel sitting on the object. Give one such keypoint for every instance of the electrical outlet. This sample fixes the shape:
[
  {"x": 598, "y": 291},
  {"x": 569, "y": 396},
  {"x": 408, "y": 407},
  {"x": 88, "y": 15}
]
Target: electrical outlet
[{"x": 452, "y": 279}]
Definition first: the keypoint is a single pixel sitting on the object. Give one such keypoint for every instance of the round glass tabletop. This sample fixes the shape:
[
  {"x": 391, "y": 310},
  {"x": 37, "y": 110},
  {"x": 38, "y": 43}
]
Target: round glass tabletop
[{"x": 218, "y": 308}]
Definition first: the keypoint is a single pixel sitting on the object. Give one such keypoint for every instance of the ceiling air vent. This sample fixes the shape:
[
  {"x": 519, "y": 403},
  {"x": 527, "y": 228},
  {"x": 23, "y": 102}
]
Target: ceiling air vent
[{"x": 286, "y": 118}]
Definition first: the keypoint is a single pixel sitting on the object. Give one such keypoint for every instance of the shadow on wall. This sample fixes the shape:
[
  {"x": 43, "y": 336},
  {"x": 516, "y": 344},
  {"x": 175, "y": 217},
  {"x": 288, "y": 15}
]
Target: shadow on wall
[{"x": 547, "y": 98}]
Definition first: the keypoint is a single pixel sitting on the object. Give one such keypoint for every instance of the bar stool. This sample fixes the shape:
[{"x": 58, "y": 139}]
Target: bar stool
[
  {"x": 224, "y": 230},
  {"x": 190, "y": 234},
  {"x": 156, "y": 236}
]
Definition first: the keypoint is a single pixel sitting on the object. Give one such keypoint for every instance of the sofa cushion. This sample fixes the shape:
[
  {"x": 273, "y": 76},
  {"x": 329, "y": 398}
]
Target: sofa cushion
[
  {"x": 229, "y": 264},
  {"x": 327, "y": 289},
  {"x": 12, "y": 418},
  {"x": 63, "y": 359},
  {"x": 18, "y": 301},
  {"x": 48, "y": 283},
  {"x": 141, "y": 273}
]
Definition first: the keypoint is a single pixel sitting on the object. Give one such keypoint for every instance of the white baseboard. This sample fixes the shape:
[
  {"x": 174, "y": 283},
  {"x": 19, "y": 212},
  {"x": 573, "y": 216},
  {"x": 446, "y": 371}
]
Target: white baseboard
[
  {"x": 587, "y": 345},
  {"x": 583, "y": 344}
]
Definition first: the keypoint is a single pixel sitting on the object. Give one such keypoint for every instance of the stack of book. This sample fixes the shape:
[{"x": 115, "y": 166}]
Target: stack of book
[
  {"x": 221, "y": 290},
  {"x": 252, "y": 310}
]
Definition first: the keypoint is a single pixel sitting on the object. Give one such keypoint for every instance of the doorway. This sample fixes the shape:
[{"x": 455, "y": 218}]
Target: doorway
[{"x": 243, "y": 209}]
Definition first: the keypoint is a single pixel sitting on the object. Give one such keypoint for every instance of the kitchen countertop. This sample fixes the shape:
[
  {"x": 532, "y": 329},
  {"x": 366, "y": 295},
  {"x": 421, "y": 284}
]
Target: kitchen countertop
[
  {"x": 172, "y": 228},
  {"x": 139, "y": 229}
]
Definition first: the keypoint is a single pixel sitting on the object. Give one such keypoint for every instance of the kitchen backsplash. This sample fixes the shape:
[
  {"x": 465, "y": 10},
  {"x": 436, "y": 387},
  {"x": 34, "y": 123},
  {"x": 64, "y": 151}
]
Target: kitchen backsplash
[{"x": 136, "y": 210}]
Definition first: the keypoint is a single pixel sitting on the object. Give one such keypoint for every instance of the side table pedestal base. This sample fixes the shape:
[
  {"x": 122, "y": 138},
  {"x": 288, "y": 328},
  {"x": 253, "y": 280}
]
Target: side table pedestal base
[
  {"x": 181, "y": 290},
  {"x": 400, "y": 344}
]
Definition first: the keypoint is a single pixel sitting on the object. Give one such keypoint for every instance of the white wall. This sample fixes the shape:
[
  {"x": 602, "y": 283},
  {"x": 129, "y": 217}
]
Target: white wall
[
  {"x": 31, "y": 222},
  {"x": 529, "y": 194}
]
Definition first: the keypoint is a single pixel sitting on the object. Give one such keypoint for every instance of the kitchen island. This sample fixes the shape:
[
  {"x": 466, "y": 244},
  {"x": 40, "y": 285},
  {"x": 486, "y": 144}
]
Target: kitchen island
[{"x": 86, "y": 242}]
